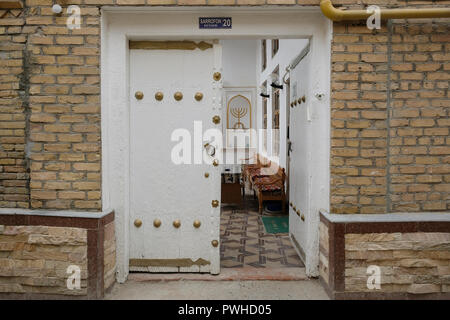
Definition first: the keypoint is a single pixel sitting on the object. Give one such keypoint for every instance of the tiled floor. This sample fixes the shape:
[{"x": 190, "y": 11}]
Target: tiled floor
[{"x": 244, "y": 242}]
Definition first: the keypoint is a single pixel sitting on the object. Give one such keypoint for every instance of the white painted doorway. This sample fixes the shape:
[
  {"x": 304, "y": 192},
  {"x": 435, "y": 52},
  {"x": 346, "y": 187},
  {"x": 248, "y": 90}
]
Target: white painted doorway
[
  {"x": 308, "y": 135},
  {"x": 119, "y": 25},
  {"x": 300, "y": 154},
  {"x": 174, "y": 185}
]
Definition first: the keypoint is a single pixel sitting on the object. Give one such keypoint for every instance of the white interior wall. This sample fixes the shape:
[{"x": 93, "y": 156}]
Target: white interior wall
[
  {"x": 239, "y": 71},
  {"x": 238, "y": 62},
  {"x": 288, "y": 50}
]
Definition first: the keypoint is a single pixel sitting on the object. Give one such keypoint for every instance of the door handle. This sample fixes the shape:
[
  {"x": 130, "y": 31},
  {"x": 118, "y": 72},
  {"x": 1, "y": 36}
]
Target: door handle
[{"x": 210, "y": 149}]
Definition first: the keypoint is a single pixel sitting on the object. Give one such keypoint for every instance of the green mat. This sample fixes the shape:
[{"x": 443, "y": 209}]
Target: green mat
[{"x": 276, "y": 224}]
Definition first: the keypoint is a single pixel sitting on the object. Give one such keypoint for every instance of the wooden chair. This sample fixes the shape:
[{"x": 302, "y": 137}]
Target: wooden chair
[
  {"x": 250, "y": 171},
  {"x": 271, "y": 188}
]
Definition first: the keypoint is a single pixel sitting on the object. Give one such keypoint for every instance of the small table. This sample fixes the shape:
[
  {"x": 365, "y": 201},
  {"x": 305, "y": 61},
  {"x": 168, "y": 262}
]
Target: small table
[{"x": 232, "y": 185}]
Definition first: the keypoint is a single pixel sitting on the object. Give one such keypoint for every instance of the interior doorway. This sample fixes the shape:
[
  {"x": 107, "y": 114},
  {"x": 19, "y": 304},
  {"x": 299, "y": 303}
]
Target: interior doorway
[
  {"x": 256, "y": 221},
  {"x": 119, "y": 28}
]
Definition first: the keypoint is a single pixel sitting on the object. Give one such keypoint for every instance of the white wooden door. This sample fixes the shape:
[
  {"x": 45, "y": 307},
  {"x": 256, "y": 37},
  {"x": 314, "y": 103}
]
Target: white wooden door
[
  {"x": 300, "y": 156},
  {"x": 162, "y": 191}
]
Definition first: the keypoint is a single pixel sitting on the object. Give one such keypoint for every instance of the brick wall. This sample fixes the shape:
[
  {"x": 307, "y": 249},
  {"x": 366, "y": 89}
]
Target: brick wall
[
  {"x": 358, "y": 119},
  {"x": 14, "y": 190},
  {"x": 390, "y": 118},
  {"x": 387, "y": 153},
  {"x": 64, "y": 102},
  {"x": 420, "y": 118}
]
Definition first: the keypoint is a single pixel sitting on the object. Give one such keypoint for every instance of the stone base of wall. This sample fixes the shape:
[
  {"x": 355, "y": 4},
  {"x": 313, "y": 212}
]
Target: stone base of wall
[
  {"x": 109, "y": 256},
  {"x": 410, "y": 254},
  {"x": 39, "y": 252}
]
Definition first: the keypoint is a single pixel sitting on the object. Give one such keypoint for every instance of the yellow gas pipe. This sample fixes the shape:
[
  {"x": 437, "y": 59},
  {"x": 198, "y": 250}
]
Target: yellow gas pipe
[{"x": 345, "y": 15}]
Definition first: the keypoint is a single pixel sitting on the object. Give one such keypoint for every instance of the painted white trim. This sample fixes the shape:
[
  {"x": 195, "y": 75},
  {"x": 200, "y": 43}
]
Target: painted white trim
[
  {"x": 104, "y": 117},
  {"x": 59, "y": 213},
  {"x": 389, "y": 217},
  {"x": 124, "y": 23},
  {"x": 221, "y": 10}
]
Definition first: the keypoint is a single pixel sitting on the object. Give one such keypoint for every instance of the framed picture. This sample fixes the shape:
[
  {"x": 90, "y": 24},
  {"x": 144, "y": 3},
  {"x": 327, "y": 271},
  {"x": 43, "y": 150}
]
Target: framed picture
[{"x": 239, "y": 110}]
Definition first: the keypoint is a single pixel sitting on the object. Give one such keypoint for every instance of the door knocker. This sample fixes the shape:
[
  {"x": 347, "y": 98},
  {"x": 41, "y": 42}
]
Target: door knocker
[{"x": 210, "y": 149}]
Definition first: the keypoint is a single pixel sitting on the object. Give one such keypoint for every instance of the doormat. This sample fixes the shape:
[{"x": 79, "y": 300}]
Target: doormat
[{"x": 276, "y": 224}]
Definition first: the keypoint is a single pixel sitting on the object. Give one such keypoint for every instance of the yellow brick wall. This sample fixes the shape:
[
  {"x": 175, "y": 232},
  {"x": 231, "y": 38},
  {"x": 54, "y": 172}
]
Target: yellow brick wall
[
  {"x": 420, "y": 117},
  {"x": 358, "y": 119},
  {"x": 14, "y": 191},
  {"x": 65, "y": 170},
  {"x": 390, "y": 118}
]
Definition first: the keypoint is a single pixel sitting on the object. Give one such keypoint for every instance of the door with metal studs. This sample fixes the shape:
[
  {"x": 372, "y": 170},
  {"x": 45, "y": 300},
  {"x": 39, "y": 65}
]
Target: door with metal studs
[
  {"x": 300, "y": 140},
  {"x": 174, "y": 188}
]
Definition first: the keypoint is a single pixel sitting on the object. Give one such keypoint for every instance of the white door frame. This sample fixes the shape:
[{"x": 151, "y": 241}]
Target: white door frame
[{"x": 119, "y": 24}]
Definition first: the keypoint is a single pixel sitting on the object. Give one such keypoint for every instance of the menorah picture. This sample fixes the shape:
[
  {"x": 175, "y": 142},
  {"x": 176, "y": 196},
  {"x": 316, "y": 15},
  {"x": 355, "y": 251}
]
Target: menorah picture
[
  {"x": 238, "y": 112},
  {"x": 239, "y": 118}
]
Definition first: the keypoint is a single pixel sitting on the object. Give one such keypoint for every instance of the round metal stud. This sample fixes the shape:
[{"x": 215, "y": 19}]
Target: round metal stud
[
  {"x": 178, "y": 96},
  {"x": 215, "y": 203},
  {"x": 156, "y": 223},
  {"x": 138, "y": 223},
  {"x": 304, "y": 99},
  {"x": 215, "y": 162},
  {"x": 198, "y": 96},
  {"x": 197, "y": 224},
  {"x": 214, "y": 243},
  {"x": 295, "y": 208},
  {"x": 299, "y": 100},
  {"x": 139, "y": 95},
  {"x": 159, "y": 96},
  {"x": 177, "y": 223},
  {"x": 217, "y": 76},
  {"x": 216, "y": 119},
  {"x": 298, "y": 212},
  {"x": 206, "y": 175},
  {"x": 302, "y": 217}
]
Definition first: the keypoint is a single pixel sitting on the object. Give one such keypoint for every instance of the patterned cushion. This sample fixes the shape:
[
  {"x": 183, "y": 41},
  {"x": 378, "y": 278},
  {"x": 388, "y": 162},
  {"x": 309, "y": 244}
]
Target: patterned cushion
[
  {"x": 248, "y": 168},
  {"x": 263, "y": 184},
  {"x": 256, "y": 173}
]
